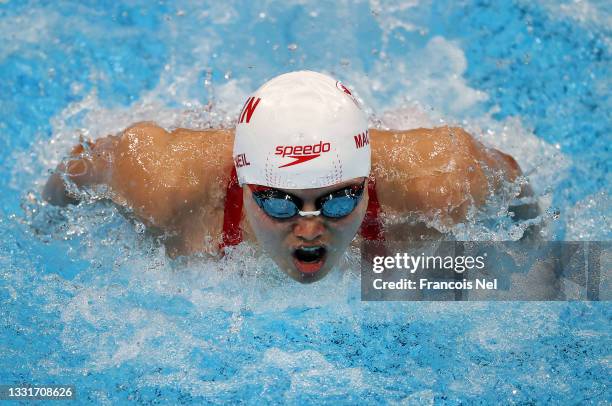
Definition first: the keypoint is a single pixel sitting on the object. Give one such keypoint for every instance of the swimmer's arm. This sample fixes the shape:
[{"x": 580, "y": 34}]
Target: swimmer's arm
[
  {"x": 493, "y": 172},
  {"x": 136, "y": 166},
  {"x": 166, "y": 180},
  {"x": 441, "y": 173}
]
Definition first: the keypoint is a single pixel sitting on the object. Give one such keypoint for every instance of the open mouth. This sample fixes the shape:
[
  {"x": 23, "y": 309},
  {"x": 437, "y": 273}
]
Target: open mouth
[{"x": 309, "y": 260}]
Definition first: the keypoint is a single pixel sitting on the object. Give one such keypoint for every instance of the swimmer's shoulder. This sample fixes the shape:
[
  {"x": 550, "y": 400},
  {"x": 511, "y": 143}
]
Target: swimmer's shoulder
[
  {"x": 421, "y": 139},
  {"x": 151, "y": 134},
  {"x": 168, "y": 173},
  {"x": 423, "y": 150},
  {"x": 145, "y": 138},
  {"x": 431, "y": 172}
]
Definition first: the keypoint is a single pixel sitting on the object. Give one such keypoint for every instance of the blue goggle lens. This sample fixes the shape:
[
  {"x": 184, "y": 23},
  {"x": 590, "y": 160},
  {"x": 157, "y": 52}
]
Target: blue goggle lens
[
  {"x": 339, "y": 206},
  {"x": 278, "y": 208}
]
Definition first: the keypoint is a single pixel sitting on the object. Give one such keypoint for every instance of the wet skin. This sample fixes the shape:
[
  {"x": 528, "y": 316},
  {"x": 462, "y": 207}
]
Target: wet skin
[{"x": 175, "y": 183}]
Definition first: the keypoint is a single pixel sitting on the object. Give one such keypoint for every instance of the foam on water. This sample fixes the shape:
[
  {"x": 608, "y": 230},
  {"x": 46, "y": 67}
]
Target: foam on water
[{"x": 114, "y": 315}]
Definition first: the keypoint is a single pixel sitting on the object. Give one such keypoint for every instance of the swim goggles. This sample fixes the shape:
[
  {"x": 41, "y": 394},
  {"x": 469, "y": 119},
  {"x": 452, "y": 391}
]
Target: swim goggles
[{"x": 282, "y": 205}]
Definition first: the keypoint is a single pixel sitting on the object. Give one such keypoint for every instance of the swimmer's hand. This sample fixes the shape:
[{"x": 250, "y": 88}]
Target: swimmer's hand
[
  {"x": 56, "y": 193},
  {"x": 89, "y": 164}
]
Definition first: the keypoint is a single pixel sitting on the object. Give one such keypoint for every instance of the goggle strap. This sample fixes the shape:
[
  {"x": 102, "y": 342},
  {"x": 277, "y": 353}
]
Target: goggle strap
[{"x": 259, "y": 188}]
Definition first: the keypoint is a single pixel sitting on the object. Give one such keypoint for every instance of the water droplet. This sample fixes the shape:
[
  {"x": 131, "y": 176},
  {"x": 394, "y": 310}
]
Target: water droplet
[
  {"x": 292, "y": 47},
  {"x": 553, "y": 213},
  {"x": 140, "y": 228}
]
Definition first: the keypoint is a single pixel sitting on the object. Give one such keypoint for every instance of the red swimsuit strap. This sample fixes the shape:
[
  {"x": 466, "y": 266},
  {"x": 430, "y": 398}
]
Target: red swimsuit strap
[
  {"x": 232, "y": 234},
  {"x": 371, "y": 228}
]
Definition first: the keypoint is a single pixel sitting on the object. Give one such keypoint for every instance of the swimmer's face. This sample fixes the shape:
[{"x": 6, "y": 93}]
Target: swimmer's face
[{"x": 306, "y": 248}]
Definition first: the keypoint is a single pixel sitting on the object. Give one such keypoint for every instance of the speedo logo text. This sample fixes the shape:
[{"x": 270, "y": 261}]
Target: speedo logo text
[{"x": 301, "y": 153}]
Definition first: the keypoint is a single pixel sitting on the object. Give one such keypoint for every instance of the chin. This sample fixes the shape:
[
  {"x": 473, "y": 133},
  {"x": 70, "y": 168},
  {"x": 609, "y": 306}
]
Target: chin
[{"x": 309, "y": 278}]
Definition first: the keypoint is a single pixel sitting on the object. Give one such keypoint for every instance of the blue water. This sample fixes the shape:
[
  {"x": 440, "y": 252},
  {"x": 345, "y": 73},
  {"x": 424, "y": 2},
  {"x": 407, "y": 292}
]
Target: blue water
[{"x": 90, "y": 300}]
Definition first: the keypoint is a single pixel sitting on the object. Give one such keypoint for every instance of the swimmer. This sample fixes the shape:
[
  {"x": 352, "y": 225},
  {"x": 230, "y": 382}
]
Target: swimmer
[{"x": 300, "y": 175}]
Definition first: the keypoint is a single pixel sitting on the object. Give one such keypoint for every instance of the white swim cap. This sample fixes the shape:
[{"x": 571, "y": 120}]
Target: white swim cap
[{"x": 301, "y": 130}]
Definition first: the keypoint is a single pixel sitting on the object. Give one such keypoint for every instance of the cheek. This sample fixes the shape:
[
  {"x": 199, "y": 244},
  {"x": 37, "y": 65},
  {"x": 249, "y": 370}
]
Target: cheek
[
  {"x": 350, "y": 225},
  {"x": 344, "y": 231},
  {"x": 266, "y": 230}
]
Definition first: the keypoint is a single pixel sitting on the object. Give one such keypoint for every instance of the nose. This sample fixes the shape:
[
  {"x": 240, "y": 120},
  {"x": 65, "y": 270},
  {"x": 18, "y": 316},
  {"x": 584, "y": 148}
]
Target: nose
[{"x": 309, "y": 228}]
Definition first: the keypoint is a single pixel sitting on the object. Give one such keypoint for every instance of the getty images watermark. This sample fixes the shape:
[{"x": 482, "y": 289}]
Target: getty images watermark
[{"x": 451, "y": 270}]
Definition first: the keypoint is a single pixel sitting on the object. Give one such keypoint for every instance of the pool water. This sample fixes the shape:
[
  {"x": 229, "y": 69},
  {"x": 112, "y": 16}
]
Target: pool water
[{"x": 89, "y": 299}]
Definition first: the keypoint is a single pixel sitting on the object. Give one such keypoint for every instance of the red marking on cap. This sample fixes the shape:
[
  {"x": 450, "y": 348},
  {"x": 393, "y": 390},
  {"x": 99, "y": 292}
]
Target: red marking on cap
[
  {"x": 300, "y": 159},
  {"x": 345, "y": 89},
  {"x": 248, "y": 109}
]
